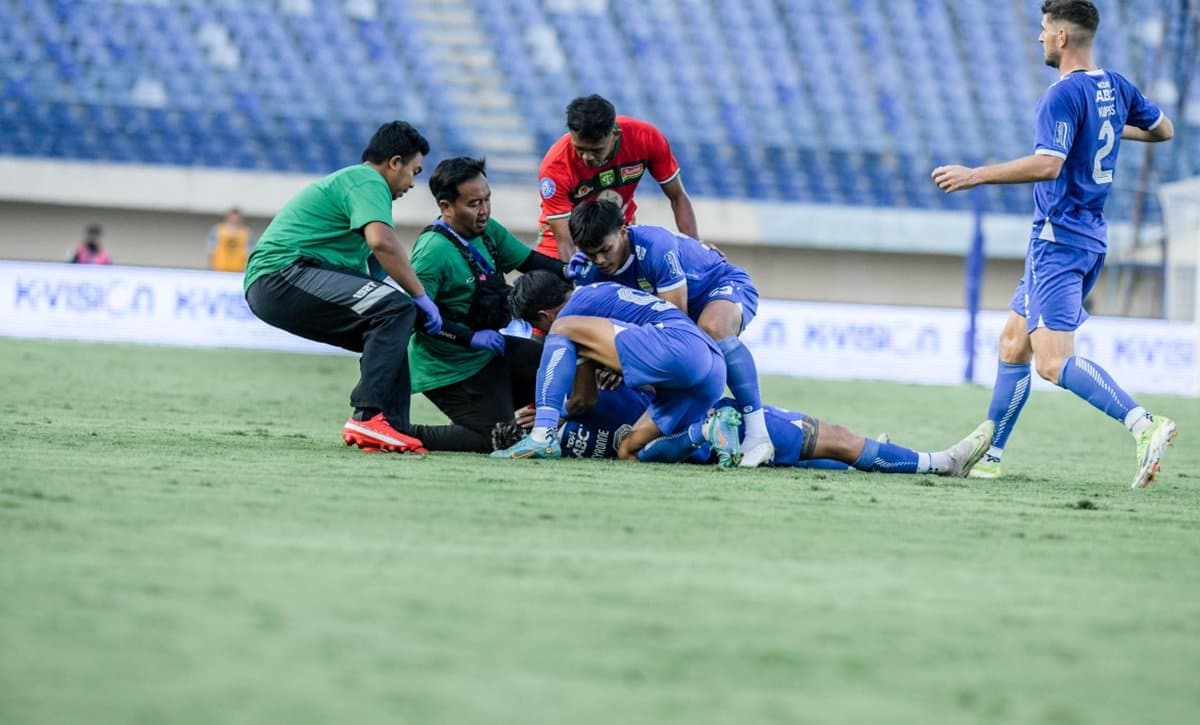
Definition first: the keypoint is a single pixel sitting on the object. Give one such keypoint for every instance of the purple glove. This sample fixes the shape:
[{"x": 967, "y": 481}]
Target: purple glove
[
  {"x": 433, "y": 318},
  {"x": 577, "y": 266},
  {"x": 489, "y": 340}
]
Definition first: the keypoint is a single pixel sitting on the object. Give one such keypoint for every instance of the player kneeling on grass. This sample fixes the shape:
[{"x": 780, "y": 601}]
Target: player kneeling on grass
[
  {"x": 649, "y": 341},
  {"x": 716, "y": 295},
  {"x": 599, "y": 420}
]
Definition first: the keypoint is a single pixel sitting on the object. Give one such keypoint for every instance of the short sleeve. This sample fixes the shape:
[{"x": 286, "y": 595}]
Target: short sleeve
[
  {"x": 368, "y": 201},
  {"x": 1057, "y": 122},
  {"x": 1143, "y": 113},
  {"x": 428, "y": 263},
  {"x": 512, "y": 252},
  {"x": 663, "y": 166},
  {"x": 662, "y": 261},
  {"x": 554, "y": 189}
]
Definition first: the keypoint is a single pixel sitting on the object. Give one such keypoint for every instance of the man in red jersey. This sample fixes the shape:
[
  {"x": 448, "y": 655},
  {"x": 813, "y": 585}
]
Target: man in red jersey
[{"x": 604, "y": 156}]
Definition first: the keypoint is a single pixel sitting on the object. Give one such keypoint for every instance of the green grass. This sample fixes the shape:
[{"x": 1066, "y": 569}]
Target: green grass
[{"x": 183, "y": 538}]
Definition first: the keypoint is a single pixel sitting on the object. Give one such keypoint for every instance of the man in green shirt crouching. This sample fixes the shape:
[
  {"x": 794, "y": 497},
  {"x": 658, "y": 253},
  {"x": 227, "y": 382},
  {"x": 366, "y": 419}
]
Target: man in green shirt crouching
[
  {"x": 470, "y": 370},
  {"x": 308, "y": 275}
]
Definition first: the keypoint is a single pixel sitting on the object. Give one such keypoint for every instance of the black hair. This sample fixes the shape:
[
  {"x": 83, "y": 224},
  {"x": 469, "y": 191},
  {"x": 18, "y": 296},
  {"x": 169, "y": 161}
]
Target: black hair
[
  {"x": 536, "y": 291},
  {"x": 593, "y": 220},
  {"x": 592, "y": 117},
  {"x": 1081, "y": 13},
  {"x": 451, "y": 172},
  {"x": 397, "y": 138}
]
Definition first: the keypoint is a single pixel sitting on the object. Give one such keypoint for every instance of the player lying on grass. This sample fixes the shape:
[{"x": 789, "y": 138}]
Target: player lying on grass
[
  {"x": 716, "y": 295},
  {"x": 648, "y": 340},
  {"x": 598, "y": 421}
]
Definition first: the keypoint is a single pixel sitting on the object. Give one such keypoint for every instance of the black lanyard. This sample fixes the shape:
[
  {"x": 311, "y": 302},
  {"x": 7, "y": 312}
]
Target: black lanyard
[{"x": 479, "y": 258}]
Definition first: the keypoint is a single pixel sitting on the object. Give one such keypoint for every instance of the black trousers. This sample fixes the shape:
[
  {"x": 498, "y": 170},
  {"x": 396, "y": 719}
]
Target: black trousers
[
  {"x": 352, "y": 311},
  {"x": 481, "y": 401}
]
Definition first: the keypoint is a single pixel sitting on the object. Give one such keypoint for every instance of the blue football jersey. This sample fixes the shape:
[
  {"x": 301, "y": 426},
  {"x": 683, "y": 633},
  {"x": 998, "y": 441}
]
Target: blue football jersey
[
  {"x": 661, "y": 260},
  {"x": 1080, "y": 119},
  {"x": 598, "y": 432},
  {"x": 621, "y": 304}
]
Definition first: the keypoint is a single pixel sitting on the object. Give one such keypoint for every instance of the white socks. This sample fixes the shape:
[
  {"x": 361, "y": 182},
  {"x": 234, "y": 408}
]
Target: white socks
[
  {"x": 756, "y": 425},
  {"x": 935, "y": 462},
  {"x": 1138, "y": 420}
]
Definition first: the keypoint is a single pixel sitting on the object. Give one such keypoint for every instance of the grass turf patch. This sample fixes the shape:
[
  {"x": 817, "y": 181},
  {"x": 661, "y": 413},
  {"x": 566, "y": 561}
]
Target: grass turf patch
[{"x": 185, "y": 539}]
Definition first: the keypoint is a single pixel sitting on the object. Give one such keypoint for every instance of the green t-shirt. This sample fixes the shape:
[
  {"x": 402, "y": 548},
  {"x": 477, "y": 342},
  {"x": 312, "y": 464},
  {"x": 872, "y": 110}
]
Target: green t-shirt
[
  {"x": 448, "y": 280},
  {"x": 324, "y": 222}
]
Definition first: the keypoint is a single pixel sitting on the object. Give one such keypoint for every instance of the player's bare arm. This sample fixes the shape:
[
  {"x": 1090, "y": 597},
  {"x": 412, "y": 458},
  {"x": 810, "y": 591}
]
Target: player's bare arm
[
  {"x": 562, "y": 234},
  {"x": 385, "y": 245},
  {"x": 677, "y": 297},
  {"x": 1035, "y": 167},
  {"x": 584, "y": 391},
  {"x": 1164, "y": 130},
  {"x": 681, "y": 207}
]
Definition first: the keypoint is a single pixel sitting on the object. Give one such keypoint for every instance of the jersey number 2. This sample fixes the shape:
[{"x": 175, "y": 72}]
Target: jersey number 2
[{"x": 1109, "y": 137}]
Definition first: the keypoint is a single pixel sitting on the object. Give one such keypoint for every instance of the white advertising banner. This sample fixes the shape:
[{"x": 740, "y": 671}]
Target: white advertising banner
[
  {"x": 802, "y": 339},
  {"x": 195, "y": 308},
  {"x": 928, "y": 345}
]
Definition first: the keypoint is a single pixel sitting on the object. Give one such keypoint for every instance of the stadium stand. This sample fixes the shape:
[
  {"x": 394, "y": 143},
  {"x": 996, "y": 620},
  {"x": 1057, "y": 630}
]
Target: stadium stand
[{"x": 799, "y": 100}]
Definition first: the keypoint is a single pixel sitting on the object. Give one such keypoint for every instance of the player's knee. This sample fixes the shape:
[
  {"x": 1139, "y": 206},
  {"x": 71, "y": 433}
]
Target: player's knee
[
  {"x": 1048, "y": 367},
  {"x": 1014, "y": 347},
  {"x": 718, "y": 327},
  {"x": 838, "y": 441}
]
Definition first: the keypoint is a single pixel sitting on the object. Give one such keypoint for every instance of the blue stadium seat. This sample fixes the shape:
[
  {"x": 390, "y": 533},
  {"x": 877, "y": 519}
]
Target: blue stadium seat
[{"x": 805, "y": 100}]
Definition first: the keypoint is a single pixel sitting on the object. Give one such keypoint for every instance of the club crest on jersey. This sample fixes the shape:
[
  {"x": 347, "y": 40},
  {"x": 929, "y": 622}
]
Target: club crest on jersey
[
  {"x": 629, "y": 173},
  {"x": 608, "y": 177},
  {"x": 583, "y": 191},
  {"x": 547, "y": 187}
]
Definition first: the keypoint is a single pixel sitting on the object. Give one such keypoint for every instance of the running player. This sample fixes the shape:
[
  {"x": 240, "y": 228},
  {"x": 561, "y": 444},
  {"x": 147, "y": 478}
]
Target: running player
[
  {"x": 716, "y": 294},
  {"x": 604, "y": 156},
  {"x": 648, "y": 340},
  {"x": 1080, "y": 123}
]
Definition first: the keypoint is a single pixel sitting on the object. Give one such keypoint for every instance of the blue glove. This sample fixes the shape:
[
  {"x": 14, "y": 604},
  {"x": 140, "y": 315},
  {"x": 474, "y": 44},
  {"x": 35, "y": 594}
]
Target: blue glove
[
  {"x": 433, "y": 318},
  {"x": 577, "y": 266},
  {"x": 489, "y": 340}
]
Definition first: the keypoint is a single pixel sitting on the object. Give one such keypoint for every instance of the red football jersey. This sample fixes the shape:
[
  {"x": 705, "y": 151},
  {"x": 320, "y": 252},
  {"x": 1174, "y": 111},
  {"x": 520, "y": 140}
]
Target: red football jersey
[{"x": 564, "y": 180}]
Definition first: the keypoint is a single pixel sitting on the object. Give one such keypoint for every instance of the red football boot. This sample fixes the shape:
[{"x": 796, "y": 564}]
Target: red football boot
[{"x": 376, "y": 434}]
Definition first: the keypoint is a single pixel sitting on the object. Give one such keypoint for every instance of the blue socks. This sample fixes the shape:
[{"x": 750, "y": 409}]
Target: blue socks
[
  {"x": 556, "y": 375},
  {"x": 1092, "y": 383},
  {"x": 1008, "y": 398},
  {"x": 886, "y": 458},
  {"x": 741, "y": 374},
  {"x": 673, "y": 448}
]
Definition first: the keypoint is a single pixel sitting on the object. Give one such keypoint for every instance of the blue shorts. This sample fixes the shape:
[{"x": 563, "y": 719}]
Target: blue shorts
[
  {"x": 794, "y": 435},
  {"x": 1057, "y": 280},
  {"x": 737, "y": 289},
  {"x": 683, "y": 366}
]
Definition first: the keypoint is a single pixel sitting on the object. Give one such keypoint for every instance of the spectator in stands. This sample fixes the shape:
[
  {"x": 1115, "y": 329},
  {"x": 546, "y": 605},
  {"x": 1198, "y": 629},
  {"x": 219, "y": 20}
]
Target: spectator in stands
[
  {"x": 230, "y": 243},
  {"x": 308, "y": 275},
  {"x": 1079, "y": 125},
  {"x": 89, "y": 250},
  {"x": 470, "y": 370},
  {"x": 604, "y": 156}
]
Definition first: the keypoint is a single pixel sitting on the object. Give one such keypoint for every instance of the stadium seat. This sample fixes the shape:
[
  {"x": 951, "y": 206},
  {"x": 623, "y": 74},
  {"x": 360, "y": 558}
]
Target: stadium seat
[{"x": 760, "y": 99}]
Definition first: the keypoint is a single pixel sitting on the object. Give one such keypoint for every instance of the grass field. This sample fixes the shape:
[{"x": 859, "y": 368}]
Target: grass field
[{"x": 184, "y": 539}]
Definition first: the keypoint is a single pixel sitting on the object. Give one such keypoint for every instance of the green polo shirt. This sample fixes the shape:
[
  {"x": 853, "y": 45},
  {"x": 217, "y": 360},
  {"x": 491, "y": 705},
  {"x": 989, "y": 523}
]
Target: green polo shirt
[
  {"x": 448, "y": 280},
  {"x": 324, "y": 222}
]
